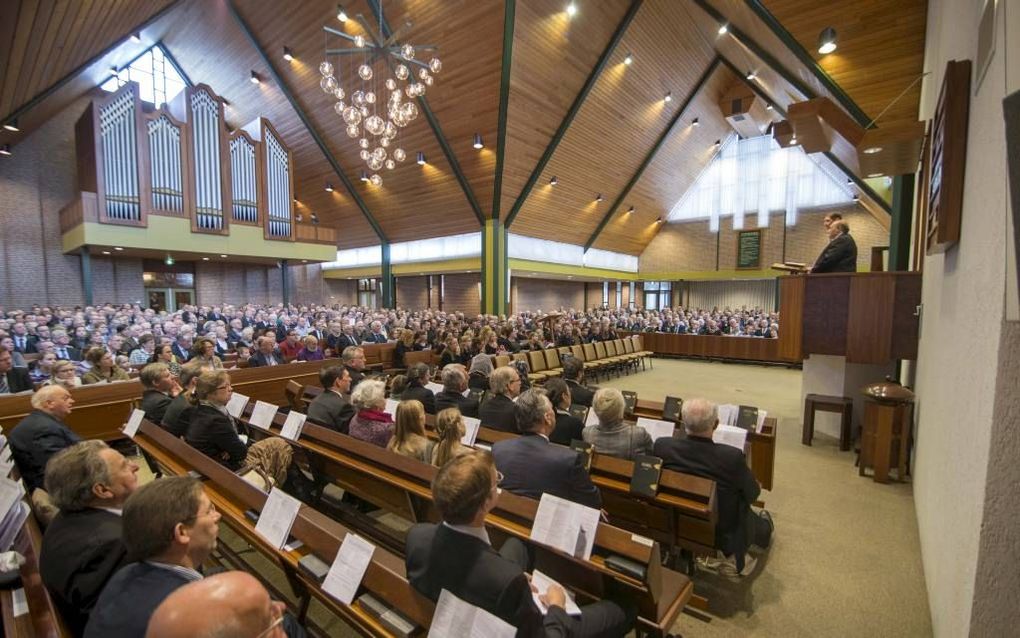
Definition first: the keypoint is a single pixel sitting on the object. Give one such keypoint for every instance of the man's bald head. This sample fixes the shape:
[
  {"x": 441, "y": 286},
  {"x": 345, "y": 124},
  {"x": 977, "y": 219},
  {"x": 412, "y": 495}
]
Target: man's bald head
[{"x": 232, "y": 604}]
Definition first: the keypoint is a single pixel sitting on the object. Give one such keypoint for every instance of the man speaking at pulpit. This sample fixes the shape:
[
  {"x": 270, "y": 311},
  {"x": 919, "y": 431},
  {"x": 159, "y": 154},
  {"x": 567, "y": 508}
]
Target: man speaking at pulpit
[{"x": 840, "y": 254}]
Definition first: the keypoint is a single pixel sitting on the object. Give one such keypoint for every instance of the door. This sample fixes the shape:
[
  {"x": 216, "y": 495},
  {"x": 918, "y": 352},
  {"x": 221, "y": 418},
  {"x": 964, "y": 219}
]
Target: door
[
  {"x": 183, "y": 297},
  {"x": 157, "y": 299}
]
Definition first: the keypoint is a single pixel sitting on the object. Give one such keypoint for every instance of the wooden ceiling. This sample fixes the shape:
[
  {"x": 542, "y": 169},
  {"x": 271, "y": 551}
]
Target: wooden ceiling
[{"x": 621, "y": 141}]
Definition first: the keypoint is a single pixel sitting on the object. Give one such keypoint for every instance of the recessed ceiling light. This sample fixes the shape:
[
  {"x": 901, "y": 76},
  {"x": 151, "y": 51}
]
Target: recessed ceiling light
[
  {"x": 768, "y": 107},
  {"x": 668, "y": 97},
  {"x": 695, "y": 122},
  {"x": 827, "y": 41},
  {"x": 106, "y": 252},
  {"x": 223, "y": 256},
  {"x": 478, "y": 141},
  {"x": 341, "y": 15},
  {"x": 5, "y": 150},
  {"x": 205, "y": 259},
  {"x": 629, "y": 59},
  {"x": 254, "y": 77},
  {"x": 723, "y": 29},
  {"x": 329, "y": 187},
  {"x": 287, "y": 54},
  {"x": 571, "y": 9},
  {"x": 117, "y": 248},
  {"x": 871, "y": 150}
]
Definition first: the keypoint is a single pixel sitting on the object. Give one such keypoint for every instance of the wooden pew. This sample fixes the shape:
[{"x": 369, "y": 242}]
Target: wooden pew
[
  {"x": 42, "y": 620},
  {"x": 385, "y": 578},
  {"x": 402, "y": 485}
]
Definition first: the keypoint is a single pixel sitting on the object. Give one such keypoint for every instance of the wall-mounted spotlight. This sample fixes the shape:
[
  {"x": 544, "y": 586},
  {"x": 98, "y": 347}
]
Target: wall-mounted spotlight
[
  {"x": 364, "y": 176},
  {"x": 254, "y": 77},
  {"x": 421, "y": 158},
  {"x": 478, "y": 141},
  {"x": 599, "y": 197},
  {"x": 341, "y": 15},
  {"x": 668, "y": 97},
  {"x": 288, "y": 55},
  {"x": 554, "y": 181},
  {"x": 827, "y": 41},
  {"x": 5, "y": 150},
  {"x": 630, "y": 210},
  {"x": 629, "y": 59},
  {"x": 329, "y": 187},
  {"x": 695, "y": 122},
  {"x": 718, "y": 143}
]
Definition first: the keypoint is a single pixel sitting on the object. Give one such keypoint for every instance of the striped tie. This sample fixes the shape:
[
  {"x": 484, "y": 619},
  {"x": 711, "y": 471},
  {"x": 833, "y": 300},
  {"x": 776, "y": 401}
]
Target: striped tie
[{"x": 4, "y": 388}]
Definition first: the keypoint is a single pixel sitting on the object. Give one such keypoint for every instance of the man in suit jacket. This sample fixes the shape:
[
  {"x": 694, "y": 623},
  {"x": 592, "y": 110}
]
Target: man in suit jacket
[
  {"x": 532, "y": 466},
  {"x": 348, "y": 338},
  {"x": 82, "y": 548},
  {"x": 332, "y": 408},
  {"x": 182, "y": 348},
  {"x": 41, "y": 434},
  {"x": 455, "y": 382},
  {"x": 170, "y": 529},
  {"x": 457, "y": 555},
  {"x": 353, "y": 358},
  {"x": 160, "y": 391},
  {"x": 498, "y": 412},
  {"x": 737, "y": 488},
  {"x": 12, "y": 380},
  {"x": 23, "y": 342},
  {"x": 573, "y": 373},
  {"x": 840, "y": 254},
  {"x": 62, "y": 347},
  {"x": 266, "y": 356},
  {"x": 376, "y": 335}
]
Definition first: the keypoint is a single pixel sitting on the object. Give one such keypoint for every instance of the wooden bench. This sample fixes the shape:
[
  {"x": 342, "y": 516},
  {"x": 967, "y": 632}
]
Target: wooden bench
[{"x": 42, "y": 620}]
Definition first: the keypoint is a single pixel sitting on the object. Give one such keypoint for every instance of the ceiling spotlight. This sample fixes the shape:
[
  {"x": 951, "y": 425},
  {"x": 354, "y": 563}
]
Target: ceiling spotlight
[
  {"x": 287, "y": 54},
  {"x": 223, "y": 256},
  {"x": 421, "y": 158},
  {"x": 599, "y": 197},
  {"x": 117, "y": 248},
  {"x": 205, "y": 259},
  {"x": 5, "y": 149},
  {"x": 341, "y": 15},
  {"x": 668, "y": 97},
  {"x": 718, "y": 143},
  {"x": 874, "y": 175},
  {"x": 751, "y": 75},
  {"x": 768, "y": 107},
  {"x": 630, "y": 58},
  {"x": 630, "y": 210},
  {"x": 106, "y": 252},
  {"x": 849, "y": 181},
  {"x": 827, "y": 41},
  {"x": 254, "y": 77},
  {"x": 113, "y": 69},
  {"x": 329, "y": 187},
  {"x": 478, "y": 141},
  {"x": 723, "y": 28},
  {"x": 11, "y": 125},
  {"x": 364, "y": 176},
  {"x": 136, "y": 38},
  {"x": 695, "y": 122},
  {"x": 857, "y": 198},
  {"x": 571, "y": 9},
  {"x": 659, "y": 220},
  {"x": 871, "y": 150},
  {"x": 554, "y": 181}
]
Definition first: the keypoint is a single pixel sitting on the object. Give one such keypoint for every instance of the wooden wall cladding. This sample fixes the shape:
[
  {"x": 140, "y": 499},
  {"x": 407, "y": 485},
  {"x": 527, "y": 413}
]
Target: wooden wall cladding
[
  {"x": 737, "y": 348},
  {"x": 791, "y": 305},
  {"x": 948, "y": 158},
  {"x": 870, "y": 305},
  {"x": 825, "y": 314}
]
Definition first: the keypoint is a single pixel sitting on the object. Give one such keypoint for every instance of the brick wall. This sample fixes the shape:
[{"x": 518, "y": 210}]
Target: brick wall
[
  {"x": 307, "y": 284},
  {"x": 462, "y": 294},
  {"x": 341, "y": 291},
  {"x": 545, "y": 294},
  {"x": 412, "y": 292}
]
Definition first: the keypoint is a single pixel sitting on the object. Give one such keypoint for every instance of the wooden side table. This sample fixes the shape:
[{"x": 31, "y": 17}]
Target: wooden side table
[{"x": 826, "y": 403}]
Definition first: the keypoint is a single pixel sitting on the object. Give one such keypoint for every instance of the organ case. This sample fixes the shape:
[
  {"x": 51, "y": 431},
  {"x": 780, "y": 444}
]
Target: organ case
[{"x": 275, "y": 195}]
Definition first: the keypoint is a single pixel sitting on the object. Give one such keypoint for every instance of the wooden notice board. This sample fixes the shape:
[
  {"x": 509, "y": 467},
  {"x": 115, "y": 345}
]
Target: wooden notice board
[{"x": 749, "y": 250}]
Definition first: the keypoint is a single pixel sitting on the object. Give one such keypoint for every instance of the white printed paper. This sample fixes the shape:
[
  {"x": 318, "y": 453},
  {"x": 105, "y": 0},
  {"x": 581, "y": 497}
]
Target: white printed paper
[
  {"x": 656, "y": 428},
  {"x": 5, "y": 453},
  {"x": 348, "y": 568},
  {"x": 10, "y": 492},
  {"x": 435, "y": 387},
  {"x": 592, "y": 418},
  {"x": 567, "y": 526},
  {"x": 730, "y": 435},
  {"x": 728, "y": 413},
  {"x": 130, "y": 428},
  {"x": 541, "y": 582},
  {"x": 391, "y": 407},
  {"x": 277, "y": 517},
  {"x": 292, "y": 426},
  {"x": 454, "y": 617},
  {"x": 5, "y": 468},
  {"x": 471, "y": 426},
  {"x": 262, "y": 415},
  {"x": 20, "y": 602},
  {"x": 761, "y": 421},
  {"x": 236, "y": 405}
]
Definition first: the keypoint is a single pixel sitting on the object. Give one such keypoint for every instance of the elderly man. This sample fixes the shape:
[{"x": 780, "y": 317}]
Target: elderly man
[
  {"x": 41, "y": 434},
  {"x": 82, "y": 548},
  {"x": 532, "y": 466},
  {"x": 840, "y": 254},
  {"x": 12, "y": 380},
  {"x": 455, "y": 383},
  {"x": 160, "y": 390},
  {"x": 376, "y": 335},
  {"x": 266, "y": 356},
  {"x": 736, "y": 486},
  {"x": 170, "y": 529},
  {"x": 232, "y": 604},
  {"x": 353, "y": 358},
  {"x": 498, "y": 412},
  {"x": 333, "y": 408},
  {"x": 457, "y": 555},
  {"x": 63, "y": 348}
]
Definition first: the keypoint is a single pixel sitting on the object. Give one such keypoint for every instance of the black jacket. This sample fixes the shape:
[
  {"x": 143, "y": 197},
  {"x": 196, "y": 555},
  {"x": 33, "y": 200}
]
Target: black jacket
[
  {"x": 18, "y": 380},
  {"x": 840, "y": 255},
  {"x": 417, "y": 392},
  {"x": 80, "y": 552},
  {"x": 129, "y": 600},
  {"x": 178, "y": 413},
  {"x": 331, "y": 410},
  {"x": 212, "y": 433},
  {"x": 34, "y": 440},
  {"x": 498, "y": 413},
  {"x": 532, "y": 466},
  {"x": 155, "y": 404},
  {"x": 447, "y": 399},
  {"x": 259, "y": 360},
  {"x": 568, "y": 428},
  {"x": 579, "y": 394}
]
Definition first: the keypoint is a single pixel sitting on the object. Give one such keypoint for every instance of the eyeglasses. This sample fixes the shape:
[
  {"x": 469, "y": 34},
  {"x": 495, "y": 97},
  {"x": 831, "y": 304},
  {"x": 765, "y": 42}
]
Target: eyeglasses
[
  {"x": 225, "y": 387},
  {"x": 499, "y": 478},
  {"x": 276, "y": 623}
]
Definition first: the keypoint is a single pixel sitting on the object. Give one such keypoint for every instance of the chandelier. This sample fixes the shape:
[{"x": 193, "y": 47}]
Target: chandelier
[{"x": 377, "y": 128}]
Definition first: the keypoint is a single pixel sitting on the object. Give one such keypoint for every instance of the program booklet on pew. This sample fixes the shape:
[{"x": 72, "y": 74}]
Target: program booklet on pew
[
  {"x": 236, "y": 405},
  {"x": 262, "y": 415},
  {"x": 14, "y": 512},
  {"x": 656, "y": 429},
  {"x": 566, "y": 526},
  {"x": 730, "y": 435},
  {"x": 471, "y": 426},
  {"x": 277, "y": 517},
  {"x": 454, "y": 617}
]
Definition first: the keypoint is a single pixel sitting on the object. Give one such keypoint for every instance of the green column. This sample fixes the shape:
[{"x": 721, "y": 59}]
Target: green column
[
  {"x": 495, "y": 292},
  {"x": 387, "y": 277},
  {"x": 899, "y": 229}
]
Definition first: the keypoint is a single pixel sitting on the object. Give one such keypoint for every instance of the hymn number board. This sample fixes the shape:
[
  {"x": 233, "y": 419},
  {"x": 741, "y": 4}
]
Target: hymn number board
[
  {"x": 948, "y": 158},
  {"x": 749, "y": 249}
]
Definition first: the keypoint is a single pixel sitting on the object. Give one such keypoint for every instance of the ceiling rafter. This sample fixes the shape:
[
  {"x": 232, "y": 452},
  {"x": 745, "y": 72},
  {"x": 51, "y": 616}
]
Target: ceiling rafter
[
  {"x": 712, "y": 66},
  {"x": 582, "y": 95},
  {"x": 509, "y": 13},
  {"x": 309, "y": 126}
]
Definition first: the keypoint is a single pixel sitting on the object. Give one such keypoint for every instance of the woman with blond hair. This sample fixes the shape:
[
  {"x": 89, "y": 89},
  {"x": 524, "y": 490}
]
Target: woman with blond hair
[
  {"x": 205, "y": 351},
  {"x": 63, "y": 373},
  {"x": 409, "y": 433},
  {"x": 450, "y": 428}
]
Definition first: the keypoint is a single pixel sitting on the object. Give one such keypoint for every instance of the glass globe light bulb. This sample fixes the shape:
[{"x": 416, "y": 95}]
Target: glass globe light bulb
[
  {"x": 353, "y": 131},
  {"x": 328, "y": 84},
  {"x": 374, "y": 125},
  {"x": 364, "y": 143},
  {"x": 365, "y": 72},
  {"x": 390, "y": 164},
  {"x": 401, "y": 72},
  {"x": 375, "y": 179},
  {"x": 384, "y": 141},
  {"x": 370, "y": 97},
  {"x": 359, "y": 41},
  {"x": 428, "y": 81},
  {"x": 339, "y": 92},
  {"x": 358, "y": 97},
  {"x": 364, "y": 111},
  {"x": 399, "y": 154},
  {"x": 379, "y": 153},
  {"x": 325, "y": 68},
  {"x": 407, "y": 51},
  {"x": 365, "y": 155},
  {"x": 374, "y": 163},
  {"x": 436, "y": 65},
  {"x": 390, "y": 84},
  {"x": 339, "y": 108},
  {"x": 352, "y": 116}
]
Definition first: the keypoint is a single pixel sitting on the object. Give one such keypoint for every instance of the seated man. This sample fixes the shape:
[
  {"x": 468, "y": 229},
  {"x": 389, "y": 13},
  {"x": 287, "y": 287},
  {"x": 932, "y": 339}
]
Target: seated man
[
  {"x": 12, "y": 380},
  {"x": 457, "y": 555},
  {"x": 532, "y": 466},
  {"x": 170, "y": 528},
  {"x": 42, "y": 434},
  {"x": 333, "y": 408},
  {"x": 177, "y": 416},
  {"x": 266, "y": 355},
  {"x": 736, "y": 486},
  {"x": 160, "y": 391},
  {"x": 82, "y": 548},
  {"x": 498, "y": 412},
  {"x": 230, "y": 605},
  {"x": 455, "y": 382},
  {"x": 353, "y": 358},
  {"x": 573, "y": 374}
]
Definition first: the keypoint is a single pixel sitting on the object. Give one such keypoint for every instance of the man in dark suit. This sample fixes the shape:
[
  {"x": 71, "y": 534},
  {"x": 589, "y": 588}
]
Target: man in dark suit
[
  {"x": 840, "y": 254},
  {"x": 457, "y": 555},
  {"x": 82, "y": 548},
  {"x": 12, "y": 380},
  {"x": 498, "y": 412},
  {"x": 376, "y": 335},
  {"x": 533, "y": 466},
  {"x": 332, "y": 408},
  {"x": 160, "y": 391},
  {"x": 62, "y": 347},
  {"x": 417, "y": 376},
  {"x": 573, "y": 374},
  {"x": 23, "y": 342},
  {"x": 266, "y": 356},
  {"x": 41, "y": 434},
  {"x": 455, "y": 382},
  {"x": 353, "y": 358},
  {"x": 170, "y": 529},
  {"x": 737, "y": 488},
  {"x": 348, "y": 338},
  {"x": 182, "y": 348}
]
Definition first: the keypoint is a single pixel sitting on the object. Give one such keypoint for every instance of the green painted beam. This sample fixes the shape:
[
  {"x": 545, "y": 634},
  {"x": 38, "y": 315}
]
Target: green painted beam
[
  {"x": 712, "y": 66},
  {"x": 509, "y": 11},
  {"x": 386, "y": 278},
  {"x": 899, "y": 229},
  {"x": 289, "y": 94},
  {"x": 603, "y": 61}
]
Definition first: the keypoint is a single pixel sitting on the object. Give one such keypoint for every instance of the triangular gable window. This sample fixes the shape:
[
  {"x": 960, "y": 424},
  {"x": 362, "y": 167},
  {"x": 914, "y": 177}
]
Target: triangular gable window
[{"x": 157, "y": 76}]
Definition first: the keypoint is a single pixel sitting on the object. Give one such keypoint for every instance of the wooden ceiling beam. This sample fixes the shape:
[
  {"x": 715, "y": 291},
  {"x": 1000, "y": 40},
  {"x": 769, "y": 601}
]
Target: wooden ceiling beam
[
  {"x": 589, "y": 84},
  {"x": 309, "y": 126},
  {"x": 712, "y": 66},
  {"x": 509, "y": 13}
]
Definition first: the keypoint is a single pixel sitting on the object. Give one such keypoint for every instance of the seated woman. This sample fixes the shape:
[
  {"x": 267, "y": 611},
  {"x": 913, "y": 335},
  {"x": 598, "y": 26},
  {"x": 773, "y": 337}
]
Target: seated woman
[
  {"x": 417, "y": 377},
  {"x": 478, "y": 374},
  {"x": 165, "y": 354},
  {"x": 409, "y": 434},
  {"x": 63, "y": 373},
  {"x": 212, "y": 431},
  {"x": 311, "y": 351},
  {"x": 398, "y": 384},
  {"x": 405, "y": 344},
  {"x": 371, "y": 423},
  {"x": 220, "y": 341},
  {"x": 450, "y": 427},
  {"x": 568, "y": 427},
  {"x": 42, "y": 368},
  {"x": 611, "y": 435},
  {"x": 205, "y": 351},
  {"x": 104, "y": 369},
  {"x": 451, "y": 353}
]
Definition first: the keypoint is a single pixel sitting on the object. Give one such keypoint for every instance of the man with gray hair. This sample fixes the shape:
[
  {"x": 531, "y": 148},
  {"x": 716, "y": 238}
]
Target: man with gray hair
[
  {"x": 498, "y": 412},
  {"x": 353, "y": 358},
  {"x": 42, "y": 434},
  {"x": 532, "y": 466},
  {"x": 736, "y": 486},
  {"x": 455, "y": 383},
  {"x": 82, "y": 547}
]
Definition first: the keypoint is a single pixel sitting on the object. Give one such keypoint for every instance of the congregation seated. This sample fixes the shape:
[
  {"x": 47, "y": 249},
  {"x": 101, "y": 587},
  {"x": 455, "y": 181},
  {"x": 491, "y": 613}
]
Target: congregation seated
[
  {"x": 479, "y": 372},
  {"x": 64, "y": 373},
  {"x": 178, "y": 414},
  {"x": 41, "y": 369},
  {"x": 103, "y": 368},
  {"x": 353, "y": 358},
  {"x": 450, "y": 429},
  {"x": 612, "y": 435},
  {"x": 332, "y": 408},
  {"x": 498, "y": 412},
  {"x": 161, "y": 388},
  {"x": 371, "y": 423},
  {"x": 417, "y": 377},
  {"x": 451, "y": 352},
  {"x": 266, "y": 355},
  {"x": 311, "y": 350},
  {"x": 409, "y": 432},
  {"x": 63, "y": 348},
  {"x": 12, "y": 379},
  {"x": 41, "y": 434},
  {"x": 532, "y": 466},
  {"x": 164, "y": 353},
  {"x": 82, "y": 547},
  {"x": 457, "y": 555},
  {"x": 455, "y": 384},
  {"x": 143, "y": 353},
  {"x": 233, "y": 604},
  {"x": 573, "y": 374},
  {"x": 204, "y": 351},
  {"x": 568, "y": 427}
]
